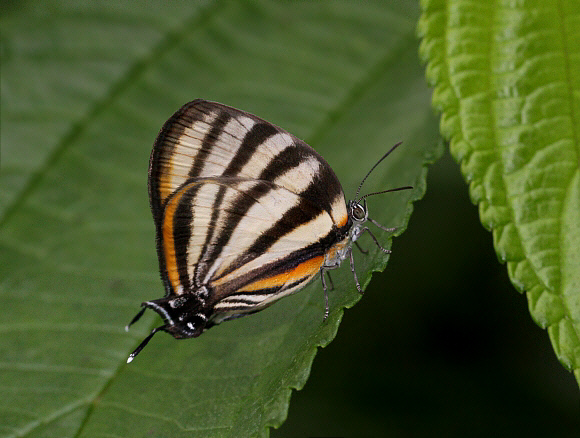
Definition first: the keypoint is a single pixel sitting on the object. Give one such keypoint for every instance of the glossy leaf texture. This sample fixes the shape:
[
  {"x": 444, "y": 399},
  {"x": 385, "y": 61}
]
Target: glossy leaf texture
[
  {"x": 507, "y": 82},
  {"x": 85, "y": 89}
]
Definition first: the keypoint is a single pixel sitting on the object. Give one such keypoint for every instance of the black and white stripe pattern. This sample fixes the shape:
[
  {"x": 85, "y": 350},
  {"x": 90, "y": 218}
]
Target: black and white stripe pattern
[{"x": 255, "y": 203}]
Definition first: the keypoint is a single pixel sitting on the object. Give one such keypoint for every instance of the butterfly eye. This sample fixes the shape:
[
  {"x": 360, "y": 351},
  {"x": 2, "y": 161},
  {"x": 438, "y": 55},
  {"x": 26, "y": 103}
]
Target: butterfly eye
[{"x": 358, "y": 213}]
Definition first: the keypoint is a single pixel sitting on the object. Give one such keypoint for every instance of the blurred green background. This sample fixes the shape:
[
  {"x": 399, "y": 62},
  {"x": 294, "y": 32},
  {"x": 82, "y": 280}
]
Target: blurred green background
[{"x": 441, "y": 343}]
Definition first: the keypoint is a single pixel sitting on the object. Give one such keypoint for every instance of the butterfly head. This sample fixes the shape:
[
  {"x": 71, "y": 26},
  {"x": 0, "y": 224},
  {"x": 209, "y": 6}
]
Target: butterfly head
[
  {"x": 357, "y": 209},
  {"x": 358, "y": 212}
]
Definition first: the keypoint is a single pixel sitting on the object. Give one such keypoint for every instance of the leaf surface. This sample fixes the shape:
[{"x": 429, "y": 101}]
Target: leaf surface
[
  {"x": 85, "y": 89},
  {"x": 507, "y": 78}
]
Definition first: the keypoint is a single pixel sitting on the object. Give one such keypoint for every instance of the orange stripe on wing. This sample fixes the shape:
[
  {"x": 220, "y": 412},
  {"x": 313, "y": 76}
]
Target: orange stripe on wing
[
  {"x": 165, "y": 178},
  {"x": 168, "y": 241},
  {"x": 305, "y": 269}
]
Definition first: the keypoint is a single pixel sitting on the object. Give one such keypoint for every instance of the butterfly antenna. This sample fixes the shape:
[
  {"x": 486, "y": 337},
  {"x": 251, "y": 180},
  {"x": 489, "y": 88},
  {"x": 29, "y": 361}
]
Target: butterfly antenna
[
  {"x": 385, "y": 191},
  {"x": 373, "y": 168}
]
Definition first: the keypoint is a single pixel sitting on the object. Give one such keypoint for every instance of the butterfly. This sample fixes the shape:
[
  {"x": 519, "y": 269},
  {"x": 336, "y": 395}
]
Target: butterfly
[{"x": 245, "y": 214}]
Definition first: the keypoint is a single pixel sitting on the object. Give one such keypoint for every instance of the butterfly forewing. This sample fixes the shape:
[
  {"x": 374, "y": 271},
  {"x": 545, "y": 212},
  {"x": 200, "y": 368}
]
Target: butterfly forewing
[{"x": 207, "y": 139}]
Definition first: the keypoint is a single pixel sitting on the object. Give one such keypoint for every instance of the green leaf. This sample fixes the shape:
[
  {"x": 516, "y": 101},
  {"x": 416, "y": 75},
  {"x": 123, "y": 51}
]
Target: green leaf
[
  {"x": 85, "y": 89},
  {"x": 507, "y": 78}
]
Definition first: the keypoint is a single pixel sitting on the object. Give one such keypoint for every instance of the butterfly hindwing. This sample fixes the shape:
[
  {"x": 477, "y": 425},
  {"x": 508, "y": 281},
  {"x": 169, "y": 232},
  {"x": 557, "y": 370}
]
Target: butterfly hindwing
[{"x": 248, "y": 242}]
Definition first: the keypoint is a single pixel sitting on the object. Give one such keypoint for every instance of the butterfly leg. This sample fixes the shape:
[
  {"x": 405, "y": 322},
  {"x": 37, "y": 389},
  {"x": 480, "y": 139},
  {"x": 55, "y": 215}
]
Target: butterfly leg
[
  {"x": 366, "y": 229},
  {"x": 364, "y": 251},
  {"x": 390, "y": 230},
  {"x": 326, "y": 306},
  {"x": 351, "y": 256},
  {"x": 330, "y": 280}
]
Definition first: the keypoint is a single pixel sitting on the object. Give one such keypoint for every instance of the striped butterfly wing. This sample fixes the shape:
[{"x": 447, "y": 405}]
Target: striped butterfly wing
[
  {"x": 208, "y": 139},
  {"x": 261, "y": 242},
  {"x": 245, "y": 213}
]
